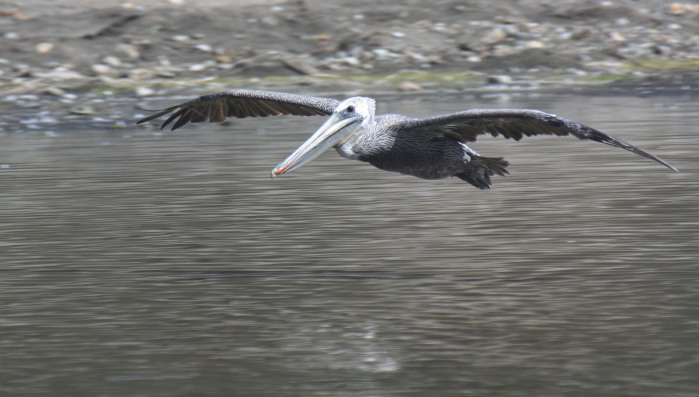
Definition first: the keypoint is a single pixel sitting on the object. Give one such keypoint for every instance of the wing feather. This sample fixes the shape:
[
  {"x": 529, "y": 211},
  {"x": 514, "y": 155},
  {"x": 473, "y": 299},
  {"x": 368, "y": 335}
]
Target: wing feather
[
  {"x": 516, "y": 124},
  {"x": 215, "y": 108}
]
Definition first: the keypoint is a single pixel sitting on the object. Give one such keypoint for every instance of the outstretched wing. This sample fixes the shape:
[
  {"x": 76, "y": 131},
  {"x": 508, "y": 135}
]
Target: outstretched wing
[
  {"x": 516, "y": 124},
  {"x": 215, "y": 108}
]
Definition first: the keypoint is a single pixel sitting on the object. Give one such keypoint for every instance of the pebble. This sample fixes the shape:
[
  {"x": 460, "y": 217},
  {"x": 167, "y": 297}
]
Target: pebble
[
  {"x": 129, "y": 50},
  {"x": 82, "y": 110},
  {"x": 675, "y": 9},
  {"x": 55, "y": 91},
  {"x": 269, "y": 20},
  {"x": 299, "y": 66},
  {"x": 382, "y": 53},
  {"x": 577, "y": 72},
  {"x": 352, "y": 61},
  {"x": 119, "y": 124},
  {"x": 141, "y": 74},
  {"x": 198, "y": 67},
  {"x": 60, "y": 74},
  {"x": 474, "y": 59},
  {"x": 616, "y": 36},
  {"x": 417, "y": 57},
  {"x": 43, "y": 48},
  {"x": 409, "y": 86},
  {"x": 499, "y": 79},
  {"x": 203, "y": 47},
  {"x": 168, "y": 74},
  {"x": 28, "y": 97},
  {"x": 321, "y": 37},
  {"x": 495, "y": 36},
  {"x": 144, "y": 91},
  {"x": 222, "y": 58},
  {"x": 101, "y": 68},
  {"x": 112, "y": 61},
  {"x": 180, "y": 38}
]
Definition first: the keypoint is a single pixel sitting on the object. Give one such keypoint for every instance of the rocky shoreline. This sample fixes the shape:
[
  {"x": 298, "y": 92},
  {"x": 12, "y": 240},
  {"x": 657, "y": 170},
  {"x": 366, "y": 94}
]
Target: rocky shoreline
[{"x": 63, "y": 49}]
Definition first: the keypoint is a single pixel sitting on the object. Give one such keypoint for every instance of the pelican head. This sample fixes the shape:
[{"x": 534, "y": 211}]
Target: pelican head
[{"x": 349, "y": 116}]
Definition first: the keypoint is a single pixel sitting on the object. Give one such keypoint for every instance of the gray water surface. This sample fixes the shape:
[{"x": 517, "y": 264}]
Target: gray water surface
[{"x": 136, "y": 263}]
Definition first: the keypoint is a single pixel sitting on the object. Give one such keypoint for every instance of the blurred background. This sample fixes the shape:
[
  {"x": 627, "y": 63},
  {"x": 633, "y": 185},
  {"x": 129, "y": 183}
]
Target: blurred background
[{"x": 139, "y": 262}]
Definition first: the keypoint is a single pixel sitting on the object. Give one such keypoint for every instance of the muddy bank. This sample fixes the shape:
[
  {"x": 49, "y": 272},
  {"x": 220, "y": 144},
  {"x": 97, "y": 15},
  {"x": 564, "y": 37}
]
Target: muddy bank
[
  {"x": 64, "y": 63},
  {"x": 63, "y": 45}
]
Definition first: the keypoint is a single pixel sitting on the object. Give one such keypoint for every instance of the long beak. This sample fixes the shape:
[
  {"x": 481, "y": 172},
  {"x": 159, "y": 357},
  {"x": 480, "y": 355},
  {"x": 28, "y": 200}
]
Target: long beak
[{"x": 334, "y": 131}]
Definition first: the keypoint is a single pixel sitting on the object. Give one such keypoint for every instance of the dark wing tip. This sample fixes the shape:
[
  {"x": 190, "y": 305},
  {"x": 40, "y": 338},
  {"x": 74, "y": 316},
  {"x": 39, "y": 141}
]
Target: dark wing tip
[
  {"x": 184, "y": 113},
  {"x": 159, "y": 113},
  {"x": 518, "y": 123},
  {"x": 585, "y": 132},
  {"x": 561, "y": 126},
  {"x": 241, "y": 104}
]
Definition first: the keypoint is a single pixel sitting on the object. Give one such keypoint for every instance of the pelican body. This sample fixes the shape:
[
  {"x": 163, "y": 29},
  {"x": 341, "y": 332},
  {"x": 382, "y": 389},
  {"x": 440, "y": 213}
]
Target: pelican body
[{"x": 432, "y": 148}]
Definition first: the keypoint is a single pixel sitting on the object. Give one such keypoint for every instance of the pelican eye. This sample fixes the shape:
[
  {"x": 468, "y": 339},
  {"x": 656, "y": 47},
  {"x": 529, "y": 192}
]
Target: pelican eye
[{"x": 350, "y": 109}]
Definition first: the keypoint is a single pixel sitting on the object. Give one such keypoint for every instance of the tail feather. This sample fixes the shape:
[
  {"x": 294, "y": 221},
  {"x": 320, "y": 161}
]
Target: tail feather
[{"x": 480, "y": 169}]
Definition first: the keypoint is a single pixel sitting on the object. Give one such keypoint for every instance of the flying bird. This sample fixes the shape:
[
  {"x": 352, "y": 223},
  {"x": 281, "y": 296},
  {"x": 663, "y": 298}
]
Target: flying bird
[{"x": 431, "y": 148}]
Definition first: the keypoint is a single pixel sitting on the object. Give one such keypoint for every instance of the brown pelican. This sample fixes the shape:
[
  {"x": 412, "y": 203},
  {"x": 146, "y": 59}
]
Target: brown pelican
[{"x": 431, "y": 148}]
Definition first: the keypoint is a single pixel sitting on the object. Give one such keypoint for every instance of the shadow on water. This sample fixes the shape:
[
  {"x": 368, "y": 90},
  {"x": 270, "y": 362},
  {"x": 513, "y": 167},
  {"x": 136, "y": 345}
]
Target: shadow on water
[{"x": 144, "y": 263}]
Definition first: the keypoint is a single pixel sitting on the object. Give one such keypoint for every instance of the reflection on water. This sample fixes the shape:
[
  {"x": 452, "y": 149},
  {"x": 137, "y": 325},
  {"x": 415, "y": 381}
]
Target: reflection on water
[{"x": 139, "y": 263}]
